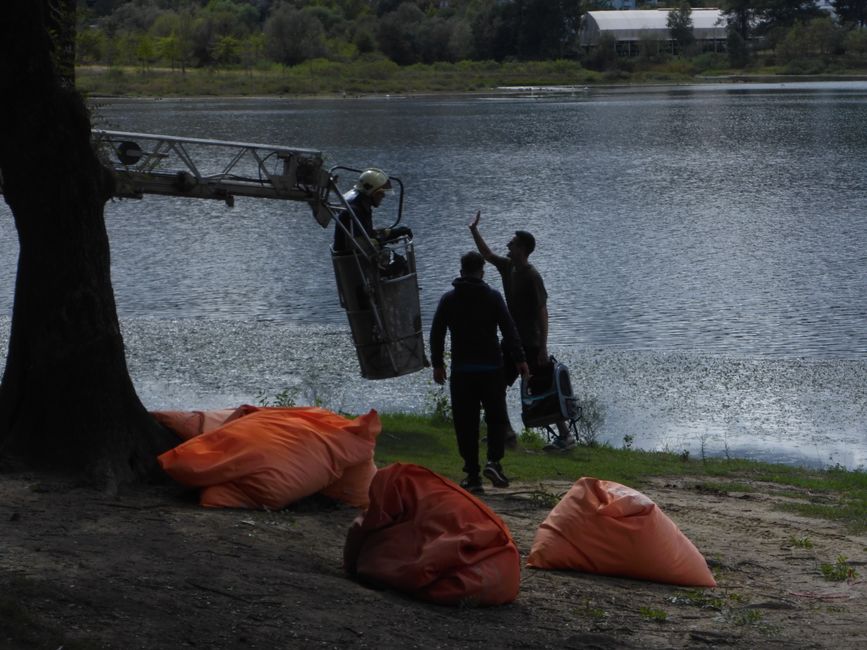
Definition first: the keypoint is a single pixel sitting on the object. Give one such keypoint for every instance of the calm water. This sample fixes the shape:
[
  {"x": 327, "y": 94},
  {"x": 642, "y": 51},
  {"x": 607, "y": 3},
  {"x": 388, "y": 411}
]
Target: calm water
[{"x": 704, "y": 249}]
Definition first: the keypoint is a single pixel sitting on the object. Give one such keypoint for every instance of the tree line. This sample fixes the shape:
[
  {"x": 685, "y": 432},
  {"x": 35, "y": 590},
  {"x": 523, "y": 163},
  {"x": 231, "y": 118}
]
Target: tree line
[
  {"x": 795, "y": 29},
  {"x": 181, "y": 33},
  {"x": 250, "y": 33}
]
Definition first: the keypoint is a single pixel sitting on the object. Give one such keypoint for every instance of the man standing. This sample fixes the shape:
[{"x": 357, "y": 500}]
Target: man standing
[
  {"x": 528, "y": 305},
  {"x": 472, "y": 312}
]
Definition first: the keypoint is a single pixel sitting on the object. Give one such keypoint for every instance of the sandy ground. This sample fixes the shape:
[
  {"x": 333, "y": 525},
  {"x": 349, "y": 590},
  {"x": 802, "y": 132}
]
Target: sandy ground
[{"x": 151, "y": 569}]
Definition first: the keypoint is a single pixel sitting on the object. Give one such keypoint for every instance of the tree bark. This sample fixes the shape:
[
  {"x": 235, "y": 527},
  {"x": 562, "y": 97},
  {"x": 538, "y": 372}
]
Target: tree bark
[{"x": 66, "y": 398}]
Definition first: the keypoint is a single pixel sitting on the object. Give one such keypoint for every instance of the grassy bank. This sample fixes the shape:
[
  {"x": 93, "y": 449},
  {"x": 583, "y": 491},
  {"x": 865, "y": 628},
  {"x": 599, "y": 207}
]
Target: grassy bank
[
  {"x": 321, "y": 77},
  {"x": 381, "y": 76},
  {"x": 835, "y": 493}
]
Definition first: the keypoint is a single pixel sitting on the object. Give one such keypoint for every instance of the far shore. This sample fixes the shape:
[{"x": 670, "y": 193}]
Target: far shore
[{"x": 327, "y": 80}]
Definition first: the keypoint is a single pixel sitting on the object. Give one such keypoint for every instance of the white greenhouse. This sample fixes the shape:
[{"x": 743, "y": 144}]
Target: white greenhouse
[{"x": 633, "y": 25}]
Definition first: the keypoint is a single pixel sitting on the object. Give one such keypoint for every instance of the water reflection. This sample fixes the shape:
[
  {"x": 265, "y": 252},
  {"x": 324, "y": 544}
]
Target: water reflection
[{"x": 715, "y": 221}]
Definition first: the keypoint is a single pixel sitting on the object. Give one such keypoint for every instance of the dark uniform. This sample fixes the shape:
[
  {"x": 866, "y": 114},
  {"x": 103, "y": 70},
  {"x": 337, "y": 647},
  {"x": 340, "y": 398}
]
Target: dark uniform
[
  {"x": 363, "y": 208},
  {"x": 525, "y": 296},
  {"x": 472, "y": 312}
]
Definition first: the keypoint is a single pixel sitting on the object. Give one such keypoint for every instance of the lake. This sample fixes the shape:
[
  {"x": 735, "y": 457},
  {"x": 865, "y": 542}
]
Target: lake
[{"x": 704, "y": 248}]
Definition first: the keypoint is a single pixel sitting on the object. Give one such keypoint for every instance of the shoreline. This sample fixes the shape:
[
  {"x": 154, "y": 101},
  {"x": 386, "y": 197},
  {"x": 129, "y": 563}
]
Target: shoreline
[
  {"x": 796, "y": 412},
  {"x": 500, "y": 91},
  {"x": 328, "y": 80}
]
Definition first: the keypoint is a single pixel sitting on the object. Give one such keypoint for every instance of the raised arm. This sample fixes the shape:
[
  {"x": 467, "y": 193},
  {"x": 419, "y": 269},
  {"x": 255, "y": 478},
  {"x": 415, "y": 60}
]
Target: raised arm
[{"x": 485, "y": 251}]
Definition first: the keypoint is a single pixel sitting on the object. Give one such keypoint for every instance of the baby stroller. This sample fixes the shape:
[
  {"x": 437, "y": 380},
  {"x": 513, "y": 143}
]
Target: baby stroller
[{"x": 547, "y": 398}]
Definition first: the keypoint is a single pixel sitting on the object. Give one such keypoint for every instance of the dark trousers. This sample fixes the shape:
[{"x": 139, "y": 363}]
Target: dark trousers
[{"x": 470, "y": 390}]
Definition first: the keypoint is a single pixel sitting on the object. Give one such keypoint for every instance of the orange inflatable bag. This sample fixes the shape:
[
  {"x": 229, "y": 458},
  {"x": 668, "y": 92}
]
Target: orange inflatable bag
[
  {"x": 353, "y": 487},
  {"x": 189, "y": 424},
  {"x": 272, "y": 457},
  {"x": 427, "y": 537},
  {"x": 604, "y": 527}
]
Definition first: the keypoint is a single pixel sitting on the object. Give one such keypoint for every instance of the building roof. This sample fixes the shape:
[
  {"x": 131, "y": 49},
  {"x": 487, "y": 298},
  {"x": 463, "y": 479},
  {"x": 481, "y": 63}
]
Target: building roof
[{"x": 630, "y": 24}]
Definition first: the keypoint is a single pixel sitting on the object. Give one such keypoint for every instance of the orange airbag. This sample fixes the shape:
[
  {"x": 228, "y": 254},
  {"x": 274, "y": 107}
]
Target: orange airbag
[
  {"x": 425, "y": 536},
  {"x": 273, "y": 456},
  {"x": 354, "y": 486},
  {"x": 608, "y": 528},
  {"x": 189, "y": 424}
]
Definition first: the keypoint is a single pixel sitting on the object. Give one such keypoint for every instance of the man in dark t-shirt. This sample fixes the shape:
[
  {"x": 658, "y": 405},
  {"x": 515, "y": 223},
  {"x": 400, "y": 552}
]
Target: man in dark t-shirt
[{"x": 528, "y": 304}]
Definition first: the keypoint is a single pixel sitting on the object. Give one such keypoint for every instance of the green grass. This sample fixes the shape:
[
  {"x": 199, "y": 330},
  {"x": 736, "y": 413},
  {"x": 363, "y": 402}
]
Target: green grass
[
  {"x": 835, "y": 493},
  {"x": 800, "y": 542},
  {"x": 377, "y": 75},
  {"x": 322, "y": 77},
  {"x": 651, "y": 614},
  {"x": 839, "y": 570}
]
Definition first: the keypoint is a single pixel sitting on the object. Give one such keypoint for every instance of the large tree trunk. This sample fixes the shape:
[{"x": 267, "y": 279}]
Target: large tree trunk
[{"x": 66, "y": 399}]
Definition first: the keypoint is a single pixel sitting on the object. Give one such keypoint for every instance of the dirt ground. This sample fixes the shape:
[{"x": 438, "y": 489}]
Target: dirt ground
[{"x": 151, "y": 569}]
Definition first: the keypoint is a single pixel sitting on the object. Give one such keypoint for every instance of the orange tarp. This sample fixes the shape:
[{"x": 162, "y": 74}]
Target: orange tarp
[
  {"x": 272, "y": 457},
  {"x": 189, "y": 424},
  {"x": 425, "y": 536},
  {"x": 604, "y": 527},
  {"x": 352, "y": 488}
]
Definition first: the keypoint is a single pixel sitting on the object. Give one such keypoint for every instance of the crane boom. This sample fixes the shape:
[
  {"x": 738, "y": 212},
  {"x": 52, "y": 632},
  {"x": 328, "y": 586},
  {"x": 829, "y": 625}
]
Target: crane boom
[
  {"x": 376, "y": 281},
  {"x": 146, "y": 163}
]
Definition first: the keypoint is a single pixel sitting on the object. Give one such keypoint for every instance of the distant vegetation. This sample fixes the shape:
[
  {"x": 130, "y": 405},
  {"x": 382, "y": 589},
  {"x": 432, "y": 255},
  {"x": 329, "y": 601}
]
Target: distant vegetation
[{"x": 170, "y": 47}]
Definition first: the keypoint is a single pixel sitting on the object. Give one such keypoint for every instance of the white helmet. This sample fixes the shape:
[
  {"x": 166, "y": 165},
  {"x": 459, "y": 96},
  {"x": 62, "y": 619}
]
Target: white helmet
[{"x": 371, "y": 180}]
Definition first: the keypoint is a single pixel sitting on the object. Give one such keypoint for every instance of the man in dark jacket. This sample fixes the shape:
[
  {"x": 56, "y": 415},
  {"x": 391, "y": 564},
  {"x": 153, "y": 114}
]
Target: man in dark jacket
[{"x": 472, "y": 312}]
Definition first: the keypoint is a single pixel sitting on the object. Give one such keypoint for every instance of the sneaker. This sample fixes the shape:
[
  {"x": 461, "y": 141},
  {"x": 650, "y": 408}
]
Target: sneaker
[
  {"x": 560, "y": 444},
  {"x": 494, "y": 472},
  {"x": 473, "y": 483}
]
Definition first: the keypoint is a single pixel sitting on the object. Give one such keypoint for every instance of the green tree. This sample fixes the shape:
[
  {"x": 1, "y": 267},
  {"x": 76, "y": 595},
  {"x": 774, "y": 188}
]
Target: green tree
[
  {"x": 752, "y": 17},
  {"x": 90, "y": 45},
  {"x": 293, "y": 36},
  {"x": 169, "y": 49},
  {"x": 785, "y": 13},
  {"x": 398, "y": 34},
  {"x": 460, "y": 45},
  {"x": 855, "y": 43},
  {"x": 740, "y": 17},
  {"x": 679, "y": 24},
  {"x": 736, "y": 46},
  {"x": 486, "y": 25},
  {"x": 432, "y": 39},
  {"x": 173, "y": 31},
  {"x": 131, "y": 17},
  {"x": 252, "y": 50},
  {"x": 145, "y": 52},
  {"x": 230, "y": 17},
  {"x": 851, "y": 12},
  {"x": 227, "y": 50},
  {"x": 547, "y": 29},
  {"x": 364, "y": 34},
  {"x": 604, "y": 55},
  {"x": 824, "y": 36}
]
